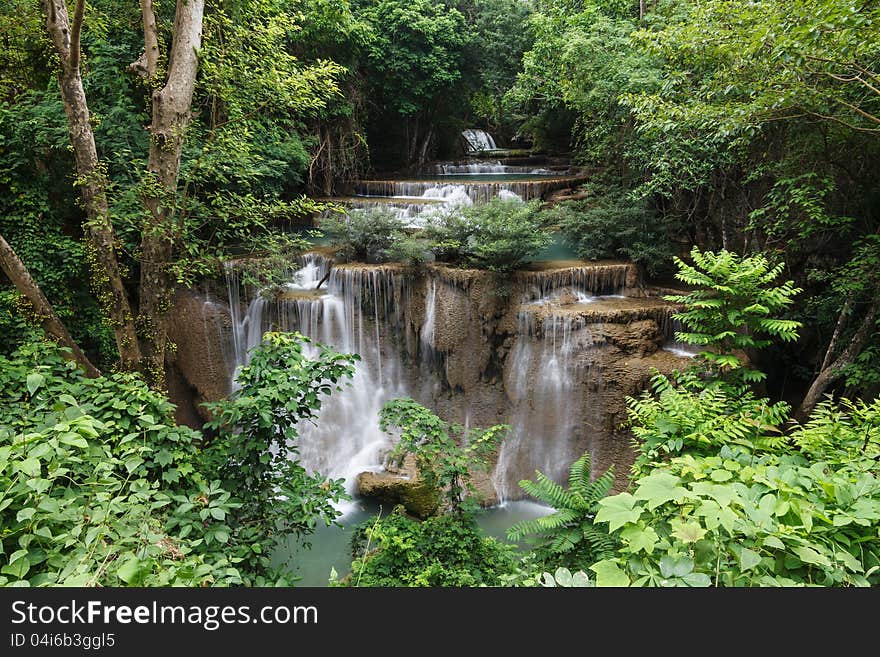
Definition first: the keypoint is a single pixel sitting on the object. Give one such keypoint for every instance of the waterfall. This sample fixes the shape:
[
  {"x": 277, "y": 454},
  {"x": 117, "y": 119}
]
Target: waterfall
[
  {"x": 486, "y": 168},
  {"x": 478, "y": 140},
  {"x": 670, "y": 327},
  {"x": 478, "y": 191},
  {"x": 541, "y": 377},
  {"x": 429, "y": 327},
  {"x": 345, "y": 438},
  {"x": 587, "y": 280}
]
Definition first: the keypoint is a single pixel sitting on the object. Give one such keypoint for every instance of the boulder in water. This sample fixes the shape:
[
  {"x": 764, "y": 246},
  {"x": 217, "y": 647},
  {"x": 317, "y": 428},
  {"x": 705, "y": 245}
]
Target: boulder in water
[{"x": 419, "y": 499}]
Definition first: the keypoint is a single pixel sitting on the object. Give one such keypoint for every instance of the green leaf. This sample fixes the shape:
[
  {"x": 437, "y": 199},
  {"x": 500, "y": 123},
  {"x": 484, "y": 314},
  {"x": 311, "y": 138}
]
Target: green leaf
[
  {"x": 25, "y": 514},
  {"x": 748, "y": 559},
  {"x": 130, "y": 570},
  {"x": 34, "y": 381},
  {"x": 74, "y": 440},
  {"x": 609, "y": 574},
  {"x": 639, "y": 539},
  {"x": 617, "y": 511},
  {"x": 18, "y": 565},
  {"x": 809, "y": 555},
  {"x": 772, "y": 541},
  {"x": 30, "y": 467},
  {"x": 659, "y": 488},
  {"x": 689, "y": 532}
]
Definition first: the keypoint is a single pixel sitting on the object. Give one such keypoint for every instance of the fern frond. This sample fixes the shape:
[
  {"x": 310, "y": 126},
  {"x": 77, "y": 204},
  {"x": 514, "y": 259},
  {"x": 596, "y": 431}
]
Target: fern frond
[
  {"x": 579, "y": 473},
  {"x": 547, "y": 490}
]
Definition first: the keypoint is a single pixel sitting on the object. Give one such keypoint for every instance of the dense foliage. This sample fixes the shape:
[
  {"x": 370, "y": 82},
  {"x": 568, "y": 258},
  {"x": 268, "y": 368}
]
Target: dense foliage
[
  {"x": 101, "y": 487},
  {"x": 445, "y": 550},
  {"x": 447, "y": 455}
]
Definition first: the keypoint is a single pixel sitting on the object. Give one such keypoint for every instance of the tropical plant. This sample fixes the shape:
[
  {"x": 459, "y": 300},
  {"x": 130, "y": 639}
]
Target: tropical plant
[
  {"x": 446, "y": 550},
  {"x": 498, "y": 235},
  {"x": 446, "y": 454},
  {"x": 568, "y": 537},
  {"x": 681, "y": 414},
  {"x": 99, "y": 486},
  {"x": 363, "y": 235},
  {"x": 256, "y": 453},
  {"x": 733, "y": 310},
  {"x": 613, "y": 224},
  {"x": 741, "y": 519}
]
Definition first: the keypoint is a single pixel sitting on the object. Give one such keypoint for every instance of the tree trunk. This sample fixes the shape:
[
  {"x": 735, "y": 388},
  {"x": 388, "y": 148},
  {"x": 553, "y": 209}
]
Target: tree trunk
[
  {"x": 171, "y": 113},
  {"x": 15, "y": 269},
  {"x": 643, "y": 9},
  {"x": 92, "y": 181},
  {"x": 832, "y": 370}
]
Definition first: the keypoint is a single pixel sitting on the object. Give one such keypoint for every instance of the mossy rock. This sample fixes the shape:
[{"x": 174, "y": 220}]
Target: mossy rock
[{"x": 419, "y": 498}]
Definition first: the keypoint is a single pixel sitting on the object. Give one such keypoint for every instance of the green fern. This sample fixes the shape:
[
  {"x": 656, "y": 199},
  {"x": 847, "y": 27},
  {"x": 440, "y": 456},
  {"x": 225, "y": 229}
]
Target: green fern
[{"x": 568, "y": 537}]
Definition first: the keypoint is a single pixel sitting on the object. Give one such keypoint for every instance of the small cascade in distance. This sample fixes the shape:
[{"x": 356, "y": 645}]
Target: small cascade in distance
[{"x": 478, "y": 140}]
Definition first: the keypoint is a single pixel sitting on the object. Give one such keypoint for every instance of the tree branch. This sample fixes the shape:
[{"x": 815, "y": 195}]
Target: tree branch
[
  {"x": 17, "y": 272},
  {"x": 838, "y": 329},
  {"x": 75, "y": 31},
  {"x": 147, "y": 65}
]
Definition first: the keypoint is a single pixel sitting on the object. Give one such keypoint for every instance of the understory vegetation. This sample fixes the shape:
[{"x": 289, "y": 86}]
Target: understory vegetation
[{"x": 496, "y": 236}]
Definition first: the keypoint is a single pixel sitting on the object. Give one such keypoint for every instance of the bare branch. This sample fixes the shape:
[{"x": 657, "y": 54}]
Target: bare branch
[
  {"x": 147, "y": 65},
  {"x": 18, "y": 273},
  {"x": 79, "y": 13}
]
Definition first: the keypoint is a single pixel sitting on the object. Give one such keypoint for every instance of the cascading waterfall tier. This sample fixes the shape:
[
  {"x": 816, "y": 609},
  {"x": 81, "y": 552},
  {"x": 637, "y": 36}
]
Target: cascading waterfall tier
[
  {"x": 544, "y": 369},
  {"x": 478, "y": 140},
  {"x": 600, "y": 279},
  {"x": 547, "y": 359},
  {"x": 478, "y": 191},
  {"x": 485, "y": 168},
  {"x": 352, "y": 314}
]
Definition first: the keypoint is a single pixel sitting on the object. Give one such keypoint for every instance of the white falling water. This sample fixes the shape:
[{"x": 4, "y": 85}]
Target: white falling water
[
  {"x": 674, "y": 346},
  {"x": 507, "y": 195},
  {"x": 540, "y": 381},
  {"x": 479, "y": 140},
  {"x": 486, "y": 168},
  {"x": 345, "y": 438},
  {"x": 426, "y": 335}
]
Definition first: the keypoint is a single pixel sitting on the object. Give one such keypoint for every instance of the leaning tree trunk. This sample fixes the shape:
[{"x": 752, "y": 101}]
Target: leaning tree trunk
[
  {"x": 171, "y": 113},
  {"x": 92, "y": 180},
  {"x": 832, "y": 370},
  {"x": 18, "y": 273}
]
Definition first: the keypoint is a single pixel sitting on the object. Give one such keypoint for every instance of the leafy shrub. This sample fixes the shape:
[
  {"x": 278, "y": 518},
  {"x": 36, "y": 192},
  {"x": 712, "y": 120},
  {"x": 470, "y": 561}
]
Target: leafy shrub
[
  {"x": 611, "y": 224},
  {"x": 447, "y": 550},
  {"x": 255, "y": 453},
  {"x": 498, "y": 236},
  {"x": 681, "y": 414},
  {"x": 98, "y": 486},
  {"x": 363, "y": 235},
  {"x": 412, "y": 251},
  {"x": 735, "y": 308},
  {"x": 568, "y": 536},
  {"x": 446, "y": 454},
  {"x": 741, "y": 506},
  {"x": 744, "y": 520}
]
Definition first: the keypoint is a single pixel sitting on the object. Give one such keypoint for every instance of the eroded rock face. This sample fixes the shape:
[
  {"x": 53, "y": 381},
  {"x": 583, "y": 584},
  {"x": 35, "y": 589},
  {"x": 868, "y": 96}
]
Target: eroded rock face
[{"x": 199, "y": 367}]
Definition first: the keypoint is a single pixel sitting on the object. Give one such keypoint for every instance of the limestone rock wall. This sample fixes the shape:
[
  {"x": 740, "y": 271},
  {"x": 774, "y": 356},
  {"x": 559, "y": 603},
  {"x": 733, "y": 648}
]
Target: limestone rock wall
[{"x": 538, "y": 356}]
